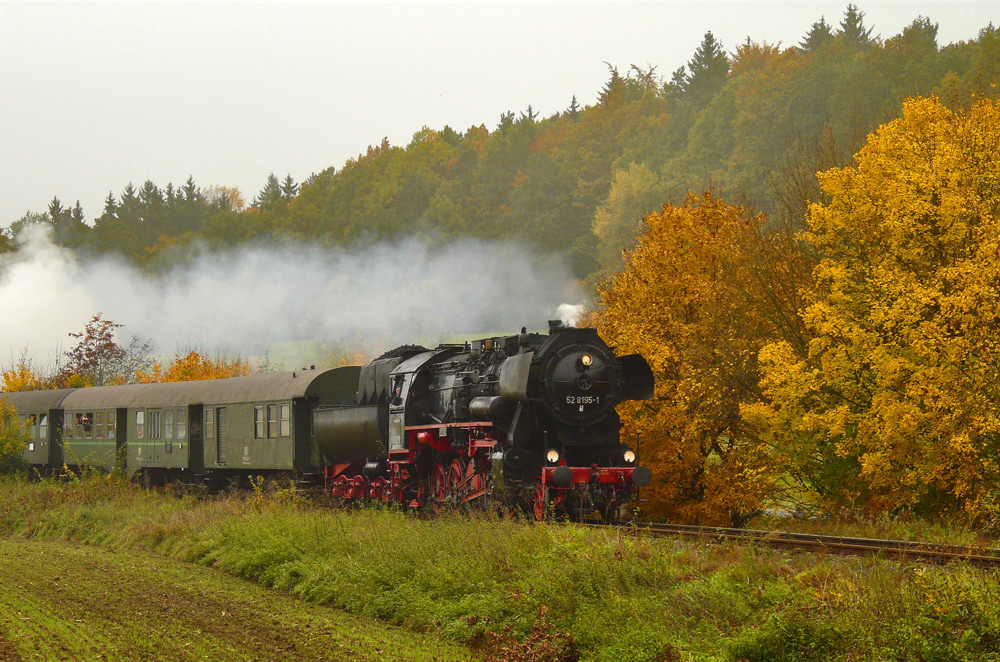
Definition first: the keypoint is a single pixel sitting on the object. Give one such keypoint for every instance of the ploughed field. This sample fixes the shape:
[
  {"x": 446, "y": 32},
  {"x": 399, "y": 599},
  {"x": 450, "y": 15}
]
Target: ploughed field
[{"x": 62, "y": 601}]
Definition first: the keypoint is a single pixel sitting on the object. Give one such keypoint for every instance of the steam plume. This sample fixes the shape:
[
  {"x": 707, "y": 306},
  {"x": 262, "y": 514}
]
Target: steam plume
[{"x": 246, "y": 299}]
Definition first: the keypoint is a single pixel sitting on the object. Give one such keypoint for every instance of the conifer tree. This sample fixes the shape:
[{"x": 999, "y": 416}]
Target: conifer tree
[
  {"x": 819, "y": 34},
  {"x": 708, "y": 70},
  {"x": 77, "y": 214},
  {"x": 110, "y": 206},
  {"x": 289, "y": 189},
  {"x": 56, "y": 211},
  {"x": 269, "y": 195},
  {"x": 574, "y": 108},
  {"x": 853, "y": 31}
]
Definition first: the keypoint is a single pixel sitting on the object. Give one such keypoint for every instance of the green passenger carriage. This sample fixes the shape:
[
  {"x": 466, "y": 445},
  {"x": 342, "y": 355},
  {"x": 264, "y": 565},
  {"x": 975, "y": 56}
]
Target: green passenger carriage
[
  {"x": 185, "y": 430},
  {"x": 40, "y": 414}
]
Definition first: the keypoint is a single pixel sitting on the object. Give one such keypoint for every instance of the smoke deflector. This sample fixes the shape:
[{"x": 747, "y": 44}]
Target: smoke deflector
[{"x": 638, "y": 378}]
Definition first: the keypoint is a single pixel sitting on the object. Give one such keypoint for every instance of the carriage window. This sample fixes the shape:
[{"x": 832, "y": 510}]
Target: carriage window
[
  {"x": 272, "y": 421},
  {"x": 258, "y": 421},
  {"x": 154, "y": 425},
  {"x": 140, "y": 423},
  {"x": 88, "y": 424},
  {"x": 286, "y": 415},
  {"x": 181, "y": 425},
  {"x": 43, "y": 426},
  {"x": 209, "y": 423},
  {"x": 83, "y": 425},
  {"x": 168, "y": 424},
  {"x": 30, "y": 426},
  {"x": 100, "y": 418},
  {"x": 111, "y": 425}
]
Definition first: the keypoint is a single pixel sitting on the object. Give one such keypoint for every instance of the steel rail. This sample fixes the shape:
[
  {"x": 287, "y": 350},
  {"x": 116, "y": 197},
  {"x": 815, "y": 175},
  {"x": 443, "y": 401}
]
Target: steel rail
[{"x": 898, "y": 549}]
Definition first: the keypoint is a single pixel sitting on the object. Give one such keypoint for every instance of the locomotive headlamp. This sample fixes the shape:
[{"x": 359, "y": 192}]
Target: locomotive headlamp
[
  {"x": 586, "y": 359},
  {"x": 629, "y": 456},
  {"x": 552, "y": 455}
]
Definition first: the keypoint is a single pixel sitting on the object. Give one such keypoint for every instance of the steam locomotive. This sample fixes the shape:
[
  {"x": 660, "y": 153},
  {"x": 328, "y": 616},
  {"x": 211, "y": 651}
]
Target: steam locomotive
[
  {"x": 525, "y": 421},
  {"x": 522, "y": 419}
]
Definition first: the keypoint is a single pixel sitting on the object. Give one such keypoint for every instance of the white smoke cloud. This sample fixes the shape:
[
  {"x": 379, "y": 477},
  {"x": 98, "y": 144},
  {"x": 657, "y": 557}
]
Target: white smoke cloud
[
  {"x": 570, "y": 314},
  {"x": 246, "y": 299}
]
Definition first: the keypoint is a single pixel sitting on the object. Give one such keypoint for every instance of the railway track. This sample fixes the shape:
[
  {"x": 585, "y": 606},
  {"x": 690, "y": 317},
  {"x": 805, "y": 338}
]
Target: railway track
[{"x": 897, "y": 549}]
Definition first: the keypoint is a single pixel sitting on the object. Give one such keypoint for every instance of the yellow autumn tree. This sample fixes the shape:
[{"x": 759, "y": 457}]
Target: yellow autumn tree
[
  {"x": 901, "y": 379},
  {"x": 20, "y": 375},
  {"x": 195, "y": 366},
  {"x": 698, "y": 298},
  {"x": 13, "y": 439}
]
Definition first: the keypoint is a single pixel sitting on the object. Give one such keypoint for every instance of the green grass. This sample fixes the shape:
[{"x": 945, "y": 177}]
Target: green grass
[{"x": 619, "y": 597}]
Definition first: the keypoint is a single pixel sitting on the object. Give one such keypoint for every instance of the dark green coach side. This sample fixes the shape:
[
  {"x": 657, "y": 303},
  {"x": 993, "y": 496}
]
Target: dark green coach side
[
  {"x": 41, "y": 414},
  {"x": 216, "y": 426},
  {"x": 264, "y": 422}
]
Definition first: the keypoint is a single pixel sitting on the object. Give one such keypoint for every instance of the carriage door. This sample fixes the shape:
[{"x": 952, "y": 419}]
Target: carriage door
[
  {"x": 120, "y": 430},
  {"x": 222, "y": 434}
]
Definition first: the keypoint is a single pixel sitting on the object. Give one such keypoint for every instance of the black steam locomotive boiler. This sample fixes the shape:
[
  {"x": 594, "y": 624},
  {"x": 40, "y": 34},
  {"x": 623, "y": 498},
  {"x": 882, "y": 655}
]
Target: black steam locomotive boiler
[{"x": 525, "y": 421}]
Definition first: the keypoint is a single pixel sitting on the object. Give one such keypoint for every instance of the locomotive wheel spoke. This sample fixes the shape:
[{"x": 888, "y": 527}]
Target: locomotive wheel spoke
[
  {"x": 439, "y": 488},
  {"x": 456, "y": 481}
]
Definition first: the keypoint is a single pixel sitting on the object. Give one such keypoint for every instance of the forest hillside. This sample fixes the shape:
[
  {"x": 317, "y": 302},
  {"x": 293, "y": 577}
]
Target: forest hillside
[{"x": 753, "y": 122}]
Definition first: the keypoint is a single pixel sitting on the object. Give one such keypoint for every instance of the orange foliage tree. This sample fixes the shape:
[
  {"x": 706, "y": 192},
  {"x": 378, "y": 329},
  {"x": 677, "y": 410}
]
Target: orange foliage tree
[
  {"x": 698, "y": 298},
  {"x": 195, "y": 366},
  {"x": 900, "y": 378},
  {"x": 99, "y": 360}
]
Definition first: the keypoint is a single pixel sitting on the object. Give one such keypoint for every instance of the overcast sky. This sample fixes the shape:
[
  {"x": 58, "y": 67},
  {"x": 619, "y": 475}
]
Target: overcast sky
[{"x": 96, "y": 95}]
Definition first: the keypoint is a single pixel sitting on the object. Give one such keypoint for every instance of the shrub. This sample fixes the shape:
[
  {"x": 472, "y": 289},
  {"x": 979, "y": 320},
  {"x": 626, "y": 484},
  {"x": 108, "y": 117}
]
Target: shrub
[{"x": 13, "y": 441}]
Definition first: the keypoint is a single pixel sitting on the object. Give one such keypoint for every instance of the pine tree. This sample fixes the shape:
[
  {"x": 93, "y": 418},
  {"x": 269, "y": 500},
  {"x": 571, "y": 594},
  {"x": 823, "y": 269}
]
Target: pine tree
[
  {"x": 529, "y": 115},
  {"x": 673, "y": 90},
  {"x": 77, "y": 214},
  {"x": 506, "y": 121},
  {"x": 613, "y": 87},
  {"x": 189, "y": 191},
  {"x": 853, "y": 31},
  {"x": 574, "y": 108},
  {"x": 289, "y": 189},
  {"x": 110, "y": 206},
  {"x": 56, "y": 211},
  {"x": 820, "y": 33},
  {"x": 269, "y": 195},
  {"x": 708, "y": 70}
]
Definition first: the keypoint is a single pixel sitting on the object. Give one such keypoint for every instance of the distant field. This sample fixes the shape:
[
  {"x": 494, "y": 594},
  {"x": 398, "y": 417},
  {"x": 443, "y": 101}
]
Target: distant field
[{"x": 61, "y": 601}]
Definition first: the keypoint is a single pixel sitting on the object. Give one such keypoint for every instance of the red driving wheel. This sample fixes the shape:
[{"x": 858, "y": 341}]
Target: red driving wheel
[
  {"x": 439, "y": 488},
  {"x": 456, "y": 482}
]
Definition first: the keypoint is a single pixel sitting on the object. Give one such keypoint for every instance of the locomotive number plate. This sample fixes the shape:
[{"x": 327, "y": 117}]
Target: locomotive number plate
[{"x": 583, "y": 399}]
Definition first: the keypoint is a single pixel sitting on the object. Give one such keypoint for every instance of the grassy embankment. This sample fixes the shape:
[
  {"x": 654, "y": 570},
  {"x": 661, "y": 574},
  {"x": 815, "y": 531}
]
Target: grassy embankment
[{"x": 620, "y": 598}]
